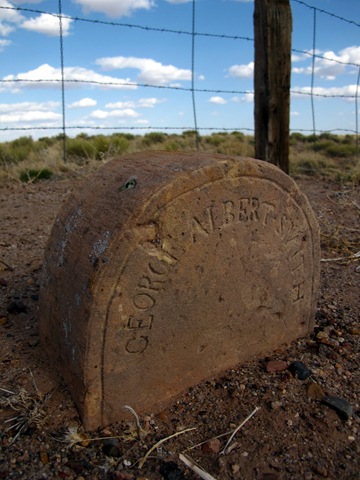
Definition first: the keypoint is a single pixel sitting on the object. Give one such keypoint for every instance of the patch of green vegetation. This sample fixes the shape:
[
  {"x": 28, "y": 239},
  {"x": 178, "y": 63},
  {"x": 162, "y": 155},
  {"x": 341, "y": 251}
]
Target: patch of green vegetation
[
  {"x": 326, "y": 154},
  {"x": 153, "y": 137},
  {"x": 34, "y": 175}
]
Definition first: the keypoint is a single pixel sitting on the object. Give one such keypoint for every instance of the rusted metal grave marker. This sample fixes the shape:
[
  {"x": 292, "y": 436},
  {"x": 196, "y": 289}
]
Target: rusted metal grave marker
[{"x": 165, "y": 269}]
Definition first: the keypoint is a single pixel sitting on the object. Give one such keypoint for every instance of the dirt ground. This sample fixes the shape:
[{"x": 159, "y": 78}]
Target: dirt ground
[{"x": 294, "y": 434}]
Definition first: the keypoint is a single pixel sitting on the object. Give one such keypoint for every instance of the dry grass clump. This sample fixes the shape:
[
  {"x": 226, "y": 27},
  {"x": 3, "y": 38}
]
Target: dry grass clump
[
  {"x": 29, "y": 160},
  {"x": 29, "y": 410}
]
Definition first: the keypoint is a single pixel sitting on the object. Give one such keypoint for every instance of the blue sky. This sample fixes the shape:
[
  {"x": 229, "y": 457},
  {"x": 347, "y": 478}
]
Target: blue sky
[{"x": 125, "y": 58}]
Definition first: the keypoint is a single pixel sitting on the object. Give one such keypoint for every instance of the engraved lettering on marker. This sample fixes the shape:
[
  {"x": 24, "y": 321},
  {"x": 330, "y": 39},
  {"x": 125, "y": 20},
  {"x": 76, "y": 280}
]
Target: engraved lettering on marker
[
  {"x": 228, "y": 210},
  {"x": 148, "y": 287},
  {"x": 269, "y": 212},
  {"x": 144, "y": 301},
  {"x": 249, "y": 209},
  {"x": 168, "y": 251},
  {"x": 297, "y": 291},
  {"x": 137, "y": 344},
  {"x": 141, "y": 323}
]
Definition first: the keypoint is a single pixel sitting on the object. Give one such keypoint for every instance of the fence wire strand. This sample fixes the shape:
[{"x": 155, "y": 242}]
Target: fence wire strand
[
  {"x": 197, "y": 142},
  {"x": 63, "y": 81},
  {"x": 313, "y": 74}
]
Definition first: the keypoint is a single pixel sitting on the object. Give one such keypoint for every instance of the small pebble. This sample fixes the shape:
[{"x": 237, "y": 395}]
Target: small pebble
[
  {"x": 212, "y": 446},
  {"x": 17, "y": 306},
  {"x": 44, "y": 457},
  {"x": 111, "y": 450},
  {"x": 269, "y": 476},
  {"x": 321, "y": 470},
  {"x": 122, "y": 476},
  {"x": 3, "y": 320},
  {"x": 342, "y": 406},
  {"x": 354, "y": 331},
  {"x": 299, "y": 370},
  {"x": 171, "y": 471},
  {"x": 33, "y": 342},
  {"x": 274, "y": 366},
  {"x": 314, "y": 391},
  {"x": 276, "y": 405}
]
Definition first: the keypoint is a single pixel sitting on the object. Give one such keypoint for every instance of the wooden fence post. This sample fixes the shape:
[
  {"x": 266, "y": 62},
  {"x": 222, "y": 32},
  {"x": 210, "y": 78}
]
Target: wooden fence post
[{"x": 273, "y": 27}]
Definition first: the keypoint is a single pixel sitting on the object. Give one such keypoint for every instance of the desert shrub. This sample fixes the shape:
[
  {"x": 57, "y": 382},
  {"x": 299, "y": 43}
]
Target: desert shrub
[
  {"x": 171, "y": 146},
  {"x": 342, "y": 150},
  {"x": 119, "y": 144},
  {"x": 34, "y": 175},
  {"x": 215, "y": 140},
  {"x": 15, "y": 151},
  {"x": 321, "y": 145},
  {"x": 128, "y": 136},
  {"x": 296, "y": 137},
  {"x": 311, "y": 138},
  {"x": 102, "y": 145},
  {"x": 349, "y": 139},
  {"x": 240, "y": 137},
  {"x": 80, "y": 147},
  {"x": 329, "y": 136},
  {"x": 47, "y": 141},
  {"x": 153, "y": 137}
]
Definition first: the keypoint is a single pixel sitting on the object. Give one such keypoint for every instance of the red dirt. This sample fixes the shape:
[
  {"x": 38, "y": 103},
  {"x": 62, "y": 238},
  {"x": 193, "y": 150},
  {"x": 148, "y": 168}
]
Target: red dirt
[{"x": 292, "y": 436}]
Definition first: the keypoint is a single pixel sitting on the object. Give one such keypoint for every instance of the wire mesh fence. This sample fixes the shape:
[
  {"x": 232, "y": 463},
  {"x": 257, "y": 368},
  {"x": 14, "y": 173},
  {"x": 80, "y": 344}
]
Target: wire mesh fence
[{"x": 62, "y": 79}]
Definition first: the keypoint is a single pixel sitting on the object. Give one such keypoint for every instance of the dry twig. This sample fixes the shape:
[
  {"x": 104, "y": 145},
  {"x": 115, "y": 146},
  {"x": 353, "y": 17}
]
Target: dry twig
[
  {"x": 189, "y": 462},
  {"x": 30, "y": 410},
  {"x": 140, "y": 432},
  {"x": 160, "y": 442},
  {"x": 7, "y": 266},
  {"x": 226, "y": 448},
  {"x": 355, "y": 256}
]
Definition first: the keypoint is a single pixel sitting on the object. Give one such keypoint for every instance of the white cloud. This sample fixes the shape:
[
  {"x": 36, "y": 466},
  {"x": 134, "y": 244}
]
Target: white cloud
[
  {"x": 248, "y": 98},
  {"x": 150, "y": 71},
  {"x": 47, "y": 24},
  {"x": 329, "y": 67},
  {"x": 20, "y": 2},
  {"x": 51, "y": 77},
  {"x": 218, "y": 100},
  {"x": 348, "y": 90},
  {"x": 125, "y": 113},
  {"x": 115, "y": 8},
  {"x": 294, "y": 114},
  {"x": 141, "y": 103},
  {"x": 9, "y": 18},
  {"x": 28, "y": 106},
  {"x": 22, "y": 112},
  {"x": 33, "y": 116},
  {"x": 83, "y": 103},
  {"x": 4, "y": 43},
  {"x": 242, "y": 71}
]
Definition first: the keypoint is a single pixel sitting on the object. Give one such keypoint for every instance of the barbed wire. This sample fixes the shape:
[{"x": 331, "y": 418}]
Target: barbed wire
[
  {"x": 166, "y": 87},
  {"x": 63, "y": 81},
  {"x": 131, "y": 25},
  {"x": 162, "y": 128},
  {"x": 338, "y": 17},
  {"x": 184, "y": 32}
]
